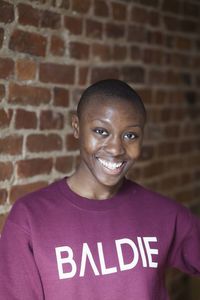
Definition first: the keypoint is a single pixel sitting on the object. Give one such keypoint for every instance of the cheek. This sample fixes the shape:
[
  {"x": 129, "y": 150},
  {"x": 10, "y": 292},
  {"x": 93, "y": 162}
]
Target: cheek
[
  {"x": 89, "y": 143},
  {"x": 134, "y": 150}
]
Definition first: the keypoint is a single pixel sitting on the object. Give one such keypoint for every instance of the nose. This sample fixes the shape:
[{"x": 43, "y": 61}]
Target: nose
[{"x": 114, "y": 146}]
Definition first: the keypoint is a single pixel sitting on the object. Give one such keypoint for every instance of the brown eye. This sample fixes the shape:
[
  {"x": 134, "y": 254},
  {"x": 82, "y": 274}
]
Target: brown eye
[
  {"x": 101, "y": 131},
  {"x": 130, "y": 136}
]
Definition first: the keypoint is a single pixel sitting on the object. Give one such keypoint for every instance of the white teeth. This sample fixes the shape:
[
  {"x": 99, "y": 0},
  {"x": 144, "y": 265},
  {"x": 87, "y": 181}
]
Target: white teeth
[{"x": 110, "y": 165}]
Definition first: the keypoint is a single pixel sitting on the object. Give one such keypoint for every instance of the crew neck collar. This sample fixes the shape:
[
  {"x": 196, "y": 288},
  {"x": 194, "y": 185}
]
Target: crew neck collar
[{"x": 94, "y": 204}]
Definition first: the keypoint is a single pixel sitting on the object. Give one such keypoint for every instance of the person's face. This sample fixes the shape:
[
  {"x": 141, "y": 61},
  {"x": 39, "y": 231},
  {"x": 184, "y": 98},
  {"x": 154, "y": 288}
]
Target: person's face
[{"x": 110, "y": 138}]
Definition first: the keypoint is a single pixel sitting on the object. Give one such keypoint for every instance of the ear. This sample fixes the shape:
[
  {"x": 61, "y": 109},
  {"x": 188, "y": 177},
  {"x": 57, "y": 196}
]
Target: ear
[{"x": 75, "y": 125}]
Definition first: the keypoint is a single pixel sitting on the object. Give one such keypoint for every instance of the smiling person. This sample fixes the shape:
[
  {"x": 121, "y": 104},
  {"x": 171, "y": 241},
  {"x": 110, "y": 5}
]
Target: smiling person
[{"x": 97, "y": 235}]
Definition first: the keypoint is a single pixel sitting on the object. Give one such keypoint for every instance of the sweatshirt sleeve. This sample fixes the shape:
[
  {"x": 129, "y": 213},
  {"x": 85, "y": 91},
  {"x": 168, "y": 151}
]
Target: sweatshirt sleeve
[
  {"x": 19, "y": 276},
  {"x": 185, "y": 248}
]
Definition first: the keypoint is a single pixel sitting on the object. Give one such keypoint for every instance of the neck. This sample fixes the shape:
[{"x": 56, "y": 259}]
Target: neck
[{"x": 92, "y": 189}]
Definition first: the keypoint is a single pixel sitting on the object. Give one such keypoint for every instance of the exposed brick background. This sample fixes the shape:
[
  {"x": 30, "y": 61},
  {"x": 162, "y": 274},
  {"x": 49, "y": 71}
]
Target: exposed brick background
[{"x": 50, "y": 50}]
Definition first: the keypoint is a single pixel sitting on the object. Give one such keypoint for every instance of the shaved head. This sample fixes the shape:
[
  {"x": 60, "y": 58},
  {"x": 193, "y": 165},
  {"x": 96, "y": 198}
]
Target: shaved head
[{"x": 112, "y": 90}]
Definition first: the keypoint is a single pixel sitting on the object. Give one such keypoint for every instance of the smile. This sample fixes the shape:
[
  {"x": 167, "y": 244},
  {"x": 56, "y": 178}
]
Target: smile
[{"x": 110, "y": 165}]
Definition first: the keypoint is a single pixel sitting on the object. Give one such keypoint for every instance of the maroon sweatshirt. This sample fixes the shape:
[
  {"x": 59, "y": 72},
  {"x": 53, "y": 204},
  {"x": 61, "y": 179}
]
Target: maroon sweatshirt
[{"x": 57, "y": 245}]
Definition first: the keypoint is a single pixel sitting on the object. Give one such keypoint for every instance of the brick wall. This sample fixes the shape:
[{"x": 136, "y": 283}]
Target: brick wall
[{"x": 50, "y": 50}]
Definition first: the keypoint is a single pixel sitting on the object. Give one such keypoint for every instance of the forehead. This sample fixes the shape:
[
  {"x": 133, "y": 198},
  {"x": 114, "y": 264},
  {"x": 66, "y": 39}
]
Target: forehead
[{"x": 112, "y": 108}]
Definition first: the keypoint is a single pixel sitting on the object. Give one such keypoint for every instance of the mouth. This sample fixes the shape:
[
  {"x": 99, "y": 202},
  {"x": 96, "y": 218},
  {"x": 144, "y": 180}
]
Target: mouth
[{"x": 112, "y": 167}]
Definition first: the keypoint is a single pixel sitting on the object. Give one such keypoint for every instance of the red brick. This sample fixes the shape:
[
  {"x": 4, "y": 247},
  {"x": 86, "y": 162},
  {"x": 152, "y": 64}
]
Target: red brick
[
  {"x": 136, "y": 33},
  {"x": 174, "y": 163},
  {"x": 61, "y": 97},
  {"x": 28, "y": 42},
  {"x": 166, "y": 114},
  {"x": 191, "y": 9},
  {"x": 5, "y": 117},
  {"x": 115, "y": 31},
  {"x": 185, "y": 147},
  {"x": 64, "y": 164},
  {"x": 79, "y": 50},
  {"x": 101, "y": 52},
  {"x": 65, "y": 4},
  {"x": 171, "y": 6},
  {"x": 81, "y": 6},
  {"x": 2, "y": 91},
  {"x": 154, "y": 117},
  {"x": 101, "y": 8},
  {"x": 24, "y": 94},
  {"x": 172, "y": 131},
  {"x": 6, "y": 170},
  {"x": 139, "y": 15},
  {"x": 1, "y": 36},
  {"x": 41, "y": 1},
  {"x": 153, "y": 3},
  {"x": 169, "y": 183},
  {"x": 153, "y": 169},
  {"x": 94, "y": 29},
  {"x": 119, "y": 11},
  {"x": 154, "y": 18},
  {"x": 26, "y": 69},
  {"x": 6, "y": 12},
  {"x": 136, "y": 53},
  {"x": 185, "y": 178},
  {"x": 71, "y": 143},
  {"x": 134, "y": 173},
  {"x": 146, "y": 95},
  {"x": 189, "y": 26},
  {"x": 44, "y": 143},
  {"x": 185, "y": 195},
  {"x": 11, "y": 145},
  {"x": 57, "y": 46},
  {"x": 50, "y": 19},
  {"x": 32, "y": 167},
  {"x": 74, "y": 24},
  {"x": 172, "y": 78},
  {"x": 25, "y": 119},
  {"x": 148, "y": 152},
  {"x": 187, "y": 130},
  {"x": 18, "y": 191},
  {"x": 3, "y": 196},
  {"x": 57, "y": 73},
  {"x": 171, "y": 23},
  {"x": 51, "y": 120},
  {"x": 169, "y": 41},
  {"x": 6, "y": 68},
  {"x": 183, "y": 43},
  {"x": 156, "y": 76},
  {"x": 197, "y": 80},
  {"x": 119, "y": 52},
  {"x": 3, "y": 218},
  {"x": 100, "y": 73},
  {"x": 76, "y": 94},
  {"x": 167, "y": 149},
  {"x": 133, "y": 74},
  {"x": 155, "y": 37},
  {"x": 178, "y": 59},
  {"x": 83, "y": 75},
  {"x": 28, "y": 15},
  {"x": 179, "y": 114},
  {"x": 193, "y": 161},
  {"x": 153, "y": 56}
]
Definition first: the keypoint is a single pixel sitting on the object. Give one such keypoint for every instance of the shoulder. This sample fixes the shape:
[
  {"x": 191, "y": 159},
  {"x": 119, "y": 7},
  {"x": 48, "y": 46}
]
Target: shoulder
[
  {"x": 153, "y": 200},
  {"x": 161, "y": 209},
  {"x": 37, "y": 202}
]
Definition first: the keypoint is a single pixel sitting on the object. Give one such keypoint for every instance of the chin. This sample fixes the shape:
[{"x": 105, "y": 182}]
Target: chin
[{"x": 110, "y": 181}]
